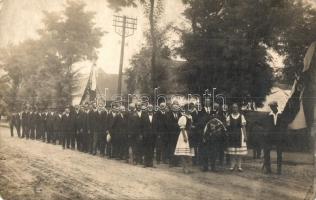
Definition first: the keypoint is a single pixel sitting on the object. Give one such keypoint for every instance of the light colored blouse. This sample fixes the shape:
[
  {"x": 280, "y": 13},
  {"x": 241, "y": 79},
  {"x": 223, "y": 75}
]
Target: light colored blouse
[
  {"x": 243, "y": 120},
  {"x": 182, "y": 122}
]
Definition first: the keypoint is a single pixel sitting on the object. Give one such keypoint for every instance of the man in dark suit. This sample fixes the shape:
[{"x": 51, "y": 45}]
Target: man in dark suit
[
  {"x": 45, "y": 130},
  {"x": 50, "y": 126},
  {"x": 36, "y": 121},
  {"x": 12, "y": 119},
  {"x": 162, "y": 140},
  {"x": 77, "y": 117},
  {"x": 67, "y": 128},
  {"x": 205, "y": 116},
  {"x": 102, "y": 127},
  {"x": 93, "y": 136},
  {"x": 99, "y": 129},
  {"x": 39, "y": 128},
  {"x": 17, "y": 123},
  {"x": 273, "y": 136},
  {"x": 120, "y": 137},
  {"x": 149, "y": 132},
  {"x": 195, "y": 136},
  {"x": 173, "y": 132},
  {"x": 85, "y": 129},
  {"x": 109, "y": 131},
  {"x": 25, "y": 123},
  {"x": 32, "y": 123},
  {"x": 137, "y": 137},
  {"x": 130, "y": 115},
  {"x": 57, "y": 127},
  {"x": 44, "y": 125}
]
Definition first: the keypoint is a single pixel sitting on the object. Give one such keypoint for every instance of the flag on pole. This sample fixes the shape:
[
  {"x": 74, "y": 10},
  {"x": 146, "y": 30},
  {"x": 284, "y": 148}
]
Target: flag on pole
[
  {"x": 91, "y": 87},
  {"x": 298, "y": 111}
]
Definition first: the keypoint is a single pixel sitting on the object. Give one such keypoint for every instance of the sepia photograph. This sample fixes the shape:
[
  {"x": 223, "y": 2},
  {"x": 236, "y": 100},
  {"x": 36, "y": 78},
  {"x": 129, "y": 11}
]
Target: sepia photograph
[{"x": 157, "y": 99}]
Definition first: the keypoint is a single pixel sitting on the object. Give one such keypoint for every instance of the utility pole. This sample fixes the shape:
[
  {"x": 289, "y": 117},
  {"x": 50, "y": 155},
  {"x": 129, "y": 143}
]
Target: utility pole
[{"x": 125, "y": 27}]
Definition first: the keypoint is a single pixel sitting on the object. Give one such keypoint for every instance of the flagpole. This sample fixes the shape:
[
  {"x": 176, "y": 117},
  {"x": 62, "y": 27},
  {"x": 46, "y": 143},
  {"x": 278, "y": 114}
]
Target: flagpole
[{"x": 313, "y": 137}]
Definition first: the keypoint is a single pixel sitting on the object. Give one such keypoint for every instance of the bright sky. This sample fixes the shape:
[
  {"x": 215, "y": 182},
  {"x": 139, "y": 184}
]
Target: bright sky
[{"x": 20, "y": 19}]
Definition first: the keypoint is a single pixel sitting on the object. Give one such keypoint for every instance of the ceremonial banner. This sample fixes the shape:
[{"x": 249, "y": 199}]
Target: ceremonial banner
[
  {"x": 91, "y": 87},
  {"x": 298, "y": 111}
]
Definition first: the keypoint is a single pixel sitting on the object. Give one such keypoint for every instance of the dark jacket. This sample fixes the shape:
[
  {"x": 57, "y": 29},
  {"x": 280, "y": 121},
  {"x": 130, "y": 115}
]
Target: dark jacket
[
  {"x": 67, "y": 124},
  {"x": 101, "y": 122},
  {"x": 149, "y": 128},
  {"x": 119, "y": 127},
  {"x": 50, "y": 122}
]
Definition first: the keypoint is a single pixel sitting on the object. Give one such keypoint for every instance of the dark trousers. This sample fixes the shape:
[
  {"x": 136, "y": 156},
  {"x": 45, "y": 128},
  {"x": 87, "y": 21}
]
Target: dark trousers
[
  {"x": 108, "y": 149},
  {"x": 73, "y": 140},
  {"x": 57, "y": 135},
  {"x": 32, "y": 133},
  {"x": 17, "y": 128},
  {"x": 49, "y": 135},
  {"x": 85, "y": 142},
  {"x": 25, "y": 132},
  {"x": 91, "y": 141},
  {"x": 38, "y": 133},
  {"x": 257, "y": 152},
  {"x": 114, "y": 141},
  {"x": 221, "y": 150},
  {"x": 95, "y": 142},
  {"x": 210, "y": 152},
  {"x": 123, "y": 147},
  {"x": 165, "y": 147},
  {"x": 66, "y": 140},
  {"x": 11, "y": 129},
  {"x": 79, "y": 141},
  {"x": 173, "y": 160},
  {"x": 267, "y": 158},
  {"x": 44, "y": 135},
  {"x": 102, "y": 143},
  {"x": 138, "y": 150},
  {"x": 159, "y": 149},
  {"x": 257, "y": 147},
  {"x": 149, "y": 147}
]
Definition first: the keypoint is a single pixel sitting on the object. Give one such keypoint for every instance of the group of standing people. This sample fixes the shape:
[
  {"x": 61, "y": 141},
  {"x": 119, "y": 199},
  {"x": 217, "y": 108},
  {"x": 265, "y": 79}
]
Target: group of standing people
[{"x": 174, "y": 135}]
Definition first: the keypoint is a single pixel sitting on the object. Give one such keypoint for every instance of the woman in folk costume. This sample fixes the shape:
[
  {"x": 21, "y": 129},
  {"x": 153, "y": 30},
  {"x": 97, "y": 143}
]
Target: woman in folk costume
[
  {"x": 237, "y": 137},
  {"x": 183, "y": 148}
]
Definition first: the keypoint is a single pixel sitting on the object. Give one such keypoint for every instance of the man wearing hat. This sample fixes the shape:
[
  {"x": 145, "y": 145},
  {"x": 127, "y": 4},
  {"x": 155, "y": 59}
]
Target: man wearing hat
[{"x": 273, "y": 137}]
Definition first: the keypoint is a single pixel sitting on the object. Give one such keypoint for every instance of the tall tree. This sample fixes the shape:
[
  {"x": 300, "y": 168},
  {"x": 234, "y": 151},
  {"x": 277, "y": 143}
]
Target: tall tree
[
  {"x": 228, "y": 41},
  {"x": 296, "y": 36},
  {"x": 42, "y": 70},
  {"x": 139, "y": 75},
  {"x": 72, "y": 37}
]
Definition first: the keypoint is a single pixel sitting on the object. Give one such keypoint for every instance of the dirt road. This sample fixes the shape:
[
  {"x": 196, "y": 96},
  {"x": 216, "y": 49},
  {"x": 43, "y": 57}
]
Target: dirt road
[{"x": 35, "y": 170}]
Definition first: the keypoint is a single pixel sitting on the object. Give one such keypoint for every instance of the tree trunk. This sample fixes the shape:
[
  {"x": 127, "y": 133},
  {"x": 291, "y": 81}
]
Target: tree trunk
[{"x": 154, "y": 44}]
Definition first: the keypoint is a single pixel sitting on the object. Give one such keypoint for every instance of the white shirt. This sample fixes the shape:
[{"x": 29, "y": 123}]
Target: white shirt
[
  {"x": 207, "y": 109},
  {"x": 275, "y": 117},
  {"x": 150, "y": 118},
  {"x": 175, "y": 115},
  {"x": 139, "y": 113}
]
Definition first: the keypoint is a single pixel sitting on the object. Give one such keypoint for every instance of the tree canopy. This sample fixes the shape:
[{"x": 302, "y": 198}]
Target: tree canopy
[
  {"x": 227, "y": 45},
  {"x": 42, "y": 70}
]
